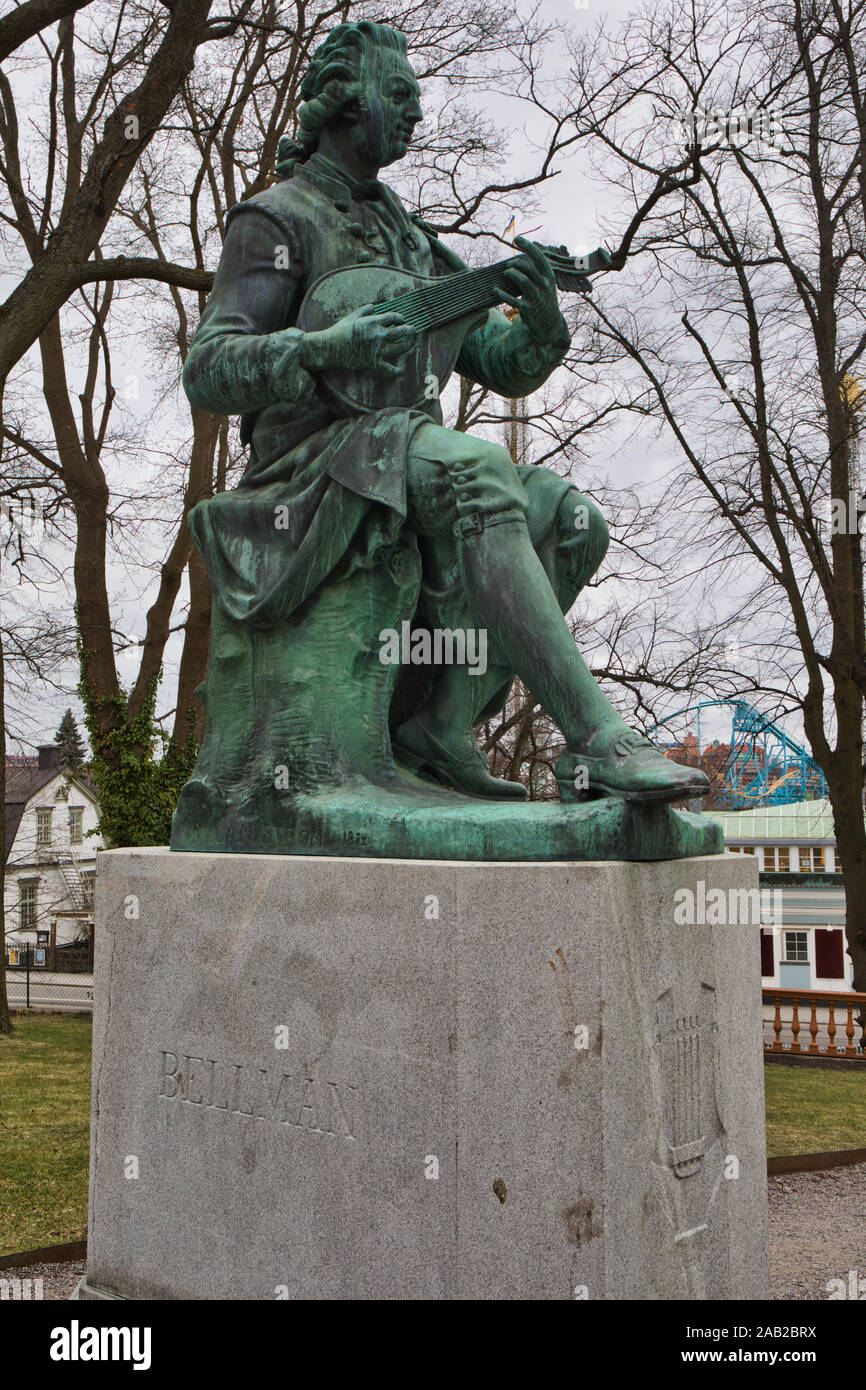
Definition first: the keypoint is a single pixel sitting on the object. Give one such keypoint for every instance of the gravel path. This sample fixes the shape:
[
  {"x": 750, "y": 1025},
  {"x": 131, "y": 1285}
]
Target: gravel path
[
  {"x": 817, "y": 1233},
  {"x": 817, "y": 1230},
  {"x": 58, "y": 1280}
]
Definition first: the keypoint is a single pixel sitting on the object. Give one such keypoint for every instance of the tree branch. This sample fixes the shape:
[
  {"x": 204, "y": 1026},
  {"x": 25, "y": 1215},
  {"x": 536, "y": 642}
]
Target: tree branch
[
  {"x": 30, "y": 18},
  {"x": 144, "y": 268}
]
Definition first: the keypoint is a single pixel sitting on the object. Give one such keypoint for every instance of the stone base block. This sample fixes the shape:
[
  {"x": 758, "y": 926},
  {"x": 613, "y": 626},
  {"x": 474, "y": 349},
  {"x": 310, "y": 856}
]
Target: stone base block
[
  {"x": 83, "y": 1290},
  {"x": 325, "y": 1078}
]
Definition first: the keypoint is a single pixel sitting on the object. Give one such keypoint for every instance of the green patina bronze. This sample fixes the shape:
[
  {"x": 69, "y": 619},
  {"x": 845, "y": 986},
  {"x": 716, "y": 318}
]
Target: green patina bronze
[{"x": 378, "y": 580}]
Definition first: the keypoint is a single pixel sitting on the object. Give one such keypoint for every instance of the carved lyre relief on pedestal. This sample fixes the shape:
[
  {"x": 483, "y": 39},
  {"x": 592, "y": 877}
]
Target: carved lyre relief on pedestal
[{"x": 692, "y": 1137}]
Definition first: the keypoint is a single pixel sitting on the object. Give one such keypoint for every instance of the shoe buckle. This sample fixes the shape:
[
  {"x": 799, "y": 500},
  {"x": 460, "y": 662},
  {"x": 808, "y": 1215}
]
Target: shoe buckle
[{"x": 630, "y": 743}]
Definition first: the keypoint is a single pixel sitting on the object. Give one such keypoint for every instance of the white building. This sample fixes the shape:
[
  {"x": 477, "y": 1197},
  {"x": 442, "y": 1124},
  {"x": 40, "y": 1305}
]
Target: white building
[
  {"x": 795, "y": 846},
  {"x": 50, "y": 858}
]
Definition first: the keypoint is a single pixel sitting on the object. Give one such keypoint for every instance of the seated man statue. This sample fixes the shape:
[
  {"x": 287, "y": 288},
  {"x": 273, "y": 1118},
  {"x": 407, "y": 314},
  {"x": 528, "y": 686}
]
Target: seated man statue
[{"x": 352, "y": 525}]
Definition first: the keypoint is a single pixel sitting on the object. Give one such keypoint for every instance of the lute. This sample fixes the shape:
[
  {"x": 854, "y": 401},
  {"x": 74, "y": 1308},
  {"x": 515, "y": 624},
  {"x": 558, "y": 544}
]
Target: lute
[{"x": 447, "y": 308}]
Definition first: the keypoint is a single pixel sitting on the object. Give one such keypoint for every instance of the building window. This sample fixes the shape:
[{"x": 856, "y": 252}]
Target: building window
[
  {"x": 43, "y": 826},
  {"x": 27, "y": 905},
  {"x": 733, "y": 849},
  {"x": 777, "y": 859},
  {"x": 748, "y": 849},
  {"x": 796, "y": 947},
  {"x": 76, "y": 825},
  {"x": 811, "y": 858},
  {"x": 837, "y": 859},
  {"x": 88, "y": 882}
]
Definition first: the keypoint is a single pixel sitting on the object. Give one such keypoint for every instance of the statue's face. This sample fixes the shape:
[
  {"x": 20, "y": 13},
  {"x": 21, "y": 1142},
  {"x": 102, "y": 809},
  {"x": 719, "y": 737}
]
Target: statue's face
[{"x": 393, "y": 107}]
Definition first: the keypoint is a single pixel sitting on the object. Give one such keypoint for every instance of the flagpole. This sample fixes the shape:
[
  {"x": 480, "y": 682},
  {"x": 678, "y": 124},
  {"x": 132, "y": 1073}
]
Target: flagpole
[{"x": 515, "y": 428}]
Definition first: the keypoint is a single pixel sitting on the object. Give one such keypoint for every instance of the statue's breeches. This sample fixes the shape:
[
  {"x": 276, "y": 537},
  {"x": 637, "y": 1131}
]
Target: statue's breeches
[{"x": 458, "y": 484}]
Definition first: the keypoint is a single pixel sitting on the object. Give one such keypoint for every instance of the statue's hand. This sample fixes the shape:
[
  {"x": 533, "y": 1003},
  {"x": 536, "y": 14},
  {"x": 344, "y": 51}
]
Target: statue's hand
[
  {"x": 533, "y": 295},
  {"x": 361, "y": 341}
]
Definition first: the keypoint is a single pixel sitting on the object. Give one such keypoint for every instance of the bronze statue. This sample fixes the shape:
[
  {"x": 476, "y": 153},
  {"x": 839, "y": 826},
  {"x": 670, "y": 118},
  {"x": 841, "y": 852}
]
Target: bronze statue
[{"x": 378, "y": 579}]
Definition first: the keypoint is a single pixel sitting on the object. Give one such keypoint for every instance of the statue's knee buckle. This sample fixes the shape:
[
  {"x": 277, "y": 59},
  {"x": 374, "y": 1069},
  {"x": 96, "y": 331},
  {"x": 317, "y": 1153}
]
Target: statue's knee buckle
[{"x": 468, "y": 525}]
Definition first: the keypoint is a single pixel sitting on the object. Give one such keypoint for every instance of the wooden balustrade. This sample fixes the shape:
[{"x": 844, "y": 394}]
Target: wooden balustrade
[{"x": 852, "y": 1006}]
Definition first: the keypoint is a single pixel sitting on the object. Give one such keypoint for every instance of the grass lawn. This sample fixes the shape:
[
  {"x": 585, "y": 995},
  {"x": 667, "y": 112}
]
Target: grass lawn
[
  {"x": 814, "y": 1111},
  {"x": 44, "y": 1131}
]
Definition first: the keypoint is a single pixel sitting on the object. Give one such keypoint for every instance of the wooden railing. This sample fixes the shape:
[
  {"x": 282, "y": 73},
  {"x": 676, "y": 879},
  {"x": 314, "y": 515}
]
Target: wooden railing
[{"x": 804, "y": 1006}]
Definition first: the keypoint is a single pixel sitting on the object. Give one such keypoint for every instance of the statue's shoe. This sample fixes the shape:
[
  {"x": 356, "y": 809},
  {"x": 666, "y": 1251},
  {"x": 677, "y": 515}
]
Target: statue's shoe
[
  {"x": 630, "y": 767},
  {"x": 464, "y": 767}
]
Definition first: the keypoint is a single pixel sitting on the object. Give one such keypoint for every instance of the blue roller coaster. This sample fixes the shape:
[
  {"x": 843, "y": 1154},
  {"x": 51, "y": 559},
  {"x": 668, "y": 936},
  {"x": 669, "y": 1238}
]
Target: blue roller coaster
[{"x": 764, "y": 766}]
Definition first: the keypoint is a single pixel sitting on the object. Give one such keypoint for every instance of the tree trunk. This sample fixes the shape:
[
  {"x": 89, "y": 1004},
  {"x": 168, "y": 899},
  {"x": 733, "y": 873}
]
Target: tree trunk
[
  {"x": 200, "y": 485},
  {"x": 5, "y": 1020},
  {"x": 845, "y": 787},
  {"x": 189, "y": 716}
]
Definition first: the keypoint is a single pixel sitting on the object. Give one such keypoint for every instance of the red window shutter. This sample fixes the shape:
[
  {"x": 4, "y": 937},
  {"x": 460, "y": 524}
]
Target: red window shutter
[
  {"x": 766, "y": 953},
  {"x": 829, "y": 960}
]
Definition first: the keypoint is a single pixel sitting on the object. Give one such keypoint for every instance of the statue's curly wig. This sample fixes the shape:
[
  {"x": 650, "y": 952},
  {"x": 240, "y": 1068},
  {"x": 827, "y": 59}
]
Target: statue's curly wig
[{"x": 333, "y": 79}]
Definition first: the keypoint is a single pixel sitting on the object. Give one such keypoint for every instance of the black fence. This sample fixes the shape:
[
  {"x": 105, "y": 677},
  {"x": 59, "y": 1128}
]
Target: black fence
[{"x": 42, "y": 977}]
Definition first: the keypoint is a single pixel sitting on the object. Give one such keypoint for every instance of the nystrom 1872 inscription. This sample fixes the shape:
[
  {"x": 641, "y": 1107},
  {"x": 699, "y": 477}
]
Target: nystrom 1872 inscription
[{"x": 298, "y": 1099}]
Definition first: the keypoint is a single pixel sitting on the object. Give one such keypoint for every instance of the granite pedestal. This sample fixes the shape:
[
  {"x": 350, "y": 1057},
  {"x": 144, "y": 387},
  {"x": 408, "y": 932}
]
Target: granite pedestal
[{"x": 323, "y": 1078}]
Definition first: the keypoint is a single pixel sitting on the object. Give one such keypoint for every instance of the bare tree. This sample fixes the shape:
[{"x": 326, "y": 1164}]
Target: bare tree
[
  {"x": 160, "y": 49},
  {"x": 748, "y": 334}
]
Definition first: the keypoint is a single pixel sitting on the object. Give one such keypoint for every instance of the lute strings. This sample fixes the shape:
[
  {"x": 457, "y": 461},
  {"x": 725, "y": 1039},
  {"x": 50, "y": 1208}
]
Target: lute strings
[{"x": 449, "y": 298}]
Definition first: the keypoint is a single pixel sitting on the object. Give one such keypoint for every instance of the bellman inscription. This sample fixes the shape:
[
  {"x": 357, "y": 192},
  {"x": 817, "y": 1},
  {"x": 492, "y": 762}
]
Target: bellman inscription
[{"x": 297, "y": 1099}]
